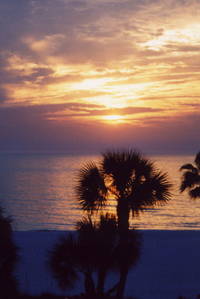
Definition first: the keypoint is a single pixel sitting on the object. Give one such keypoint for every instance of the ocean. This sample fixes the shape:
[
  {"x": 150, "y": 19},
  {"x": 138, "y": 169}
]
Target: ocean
[{"x": 37, "y": 192}]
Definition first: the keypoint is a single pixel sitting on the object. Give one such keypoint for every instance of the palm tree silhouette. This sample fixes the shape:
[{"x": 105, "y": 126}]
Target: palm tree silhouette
[
  {"x": 125, "y": 176},
  {"x": 132, "y": 181},
  {"x": 191, "y": 178},
  {"x": 8, "y": 259},
  {"x": 101, "y": 238},
  {"x": 95, "y": 249},
  {"x": 87, "y": 252}
]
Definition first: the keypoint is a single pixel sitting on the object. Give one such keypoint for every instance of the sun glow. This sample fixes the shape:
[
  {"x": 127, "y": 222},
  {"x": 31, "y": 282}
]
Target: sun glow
[
  {"x": 113, "y": 117},
  {"x": 91, "y": 83}
]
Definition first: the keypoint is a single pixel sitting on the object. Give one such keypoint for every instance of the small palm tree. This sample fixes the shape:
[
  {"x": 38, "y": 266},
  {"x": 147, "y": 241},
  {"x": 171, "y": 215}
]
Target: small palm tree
[
  {"x": 87, "y": 252},
  {"x": 191, "y": 178},
  {"x": 96, "y": 248},
  {"x": 101, "y": 238},
  {"x": 125, "y": 176}
]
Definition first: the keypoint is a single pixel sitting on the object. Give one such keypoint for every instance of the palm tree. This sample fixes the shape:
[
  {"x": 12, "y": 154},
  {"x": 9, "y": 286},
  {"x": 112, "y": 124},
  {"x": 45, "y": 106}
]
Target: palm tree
[
  {"x": 95, "y": 249},
  {"x": 87, "y": 252},
  {"x": 125, "y": 176},
  {"x": 98, "y": 239},
  {"x": 8, "y": 259},
  {"x": 132, "y": 181},
  {"x": 191, "y": 178}
]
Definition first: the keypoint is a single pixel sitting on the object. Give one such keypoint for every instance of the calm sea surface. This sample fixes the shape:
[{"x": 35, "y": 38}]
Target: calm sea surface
[{"x": 38, "y": 192}]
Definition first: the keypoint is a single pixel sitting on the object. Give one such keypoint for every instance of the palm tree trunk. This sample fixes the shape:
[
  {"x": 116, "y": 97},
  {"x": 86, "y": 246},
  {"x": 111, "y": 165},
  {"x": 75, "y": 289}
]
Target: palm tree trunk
[
  {"x": 89, "y": 284},
  {"x": 101, "y": 281},
  {"x": 122, "y": 283},
  {"x": 123, "y": 212}
]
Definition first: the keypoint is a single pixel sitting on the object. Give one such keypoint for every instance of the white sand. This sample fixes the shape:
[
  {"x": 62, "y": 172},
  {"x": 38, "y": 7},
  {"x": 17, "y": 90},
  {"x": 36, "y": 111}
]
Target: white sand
[{"x": 169, "y": 264}]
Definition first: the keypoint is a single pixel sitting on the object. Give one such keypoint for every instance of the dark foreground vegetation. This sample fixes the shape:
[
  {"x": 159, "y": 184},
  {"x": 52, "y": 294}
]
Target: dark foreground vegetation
[
  {"x": 8, "y": 259},
  {"x": 191, "y": 178}
]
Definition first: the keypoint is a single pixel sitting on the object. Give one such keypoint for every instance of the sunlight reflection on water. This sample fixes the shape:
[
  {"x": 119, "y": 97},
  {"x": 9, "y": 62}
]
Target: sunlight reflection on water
[{"x": 38, "y": 192}]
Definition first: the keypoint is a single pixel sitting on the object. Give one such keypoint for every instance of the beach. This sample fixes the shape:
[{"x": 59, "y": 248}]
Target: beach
[{"x": 168, "y": 267}]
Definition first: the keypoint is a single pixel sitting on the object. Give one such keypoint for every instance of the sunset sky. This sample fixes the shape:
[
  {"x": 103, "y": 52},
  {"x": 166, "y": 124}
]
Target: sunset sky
[{"x": 85, "y": 75}]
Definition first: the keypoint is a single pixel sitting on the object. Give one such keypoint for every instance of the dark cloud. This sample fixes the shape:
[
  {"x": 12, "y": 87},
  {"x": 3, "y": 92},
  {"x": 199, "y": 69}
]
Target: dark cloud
[
  {"x": 39, "y": 111},
  {"x": 37, "y": 75},
  {"x": 43, "y": 112}
]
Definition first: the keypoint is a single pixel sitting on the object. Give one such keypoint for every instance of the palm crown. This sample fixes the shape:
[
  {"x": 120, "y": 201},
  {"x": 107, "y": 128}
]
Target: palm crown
[
  {"x": 125, "y": 176},
  {"x": 191, "y": 178}
]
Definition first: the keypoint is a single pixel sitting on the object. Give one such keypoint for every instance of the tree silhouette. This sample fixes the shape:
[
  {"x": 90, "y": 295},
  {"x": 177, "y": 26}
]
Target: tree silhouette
[
  {"x": 125, "y": 176},
  {"x": 95, "y": 249},
  {"x": 191, "y": 178},
  {"x": 132, "y": 181},
  {"x": 8, "y": 259}
]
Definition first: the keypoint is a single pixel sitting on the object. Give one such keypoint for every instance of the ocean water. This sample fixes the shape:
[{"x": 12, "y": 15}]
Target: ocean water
[{"x": 37, "y": 191}]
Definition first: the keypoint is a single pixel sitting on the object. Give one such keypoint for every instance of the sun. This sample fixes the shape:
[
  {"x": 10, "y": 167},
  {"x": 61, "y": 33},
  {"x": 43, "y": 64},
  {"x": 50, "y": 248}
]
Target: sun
[{"x": 113, "y": 118}]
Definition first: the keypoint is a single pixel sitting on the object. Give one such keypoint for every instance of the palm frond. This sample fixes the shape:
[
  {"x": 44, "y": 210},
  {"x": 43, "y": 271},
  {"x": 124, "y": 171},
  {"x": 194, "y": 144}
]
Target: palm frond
[
  {"x": 150, "y": 192},
  {"x": 91, "y": 190},
  {"x": 88, "y": 244},
  {"x": 108, "y": 224},
  {"x": 93, "y": 230},
  {"x": 85, "y": 222},
  {"x": 189, "y": 179},
  {"x": 161, "y": 187},
  {"x": 195, "y": 193},
  {"x": 189, "y": 167},
  {"x": 197, "y": 160},
  {"x": 143, "y": 168},
  {"x": 62, "y": 262},
  {"x": 140, "y": 197},
  {"x": 119, "y": 165}
]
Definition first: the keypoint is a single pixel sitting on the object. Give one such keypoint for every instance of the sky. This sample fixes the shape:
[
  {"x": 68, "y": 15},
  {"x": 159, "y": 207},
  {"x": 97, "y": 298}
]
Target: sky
[{"x": 85, "y": 75}]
